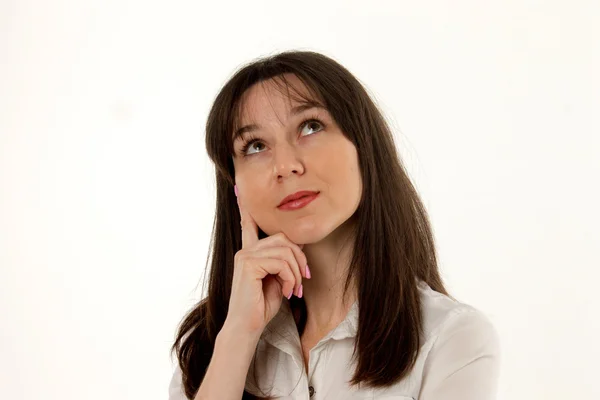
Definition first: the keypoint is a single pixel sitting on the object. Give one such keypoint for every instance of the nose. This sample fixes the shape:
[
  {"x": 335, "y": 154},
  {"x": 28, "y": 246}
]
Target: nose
[{"x": 286, "y": 161}]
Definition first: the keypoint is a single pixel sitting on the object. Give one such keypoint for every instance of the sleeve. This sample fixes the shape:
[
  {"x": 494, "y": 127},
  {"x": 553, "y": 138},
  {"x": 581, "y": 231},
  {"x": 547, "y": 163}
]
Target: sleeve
[
  {"x": 464, "y": 362},
  {"x": 176, "y": 386}
]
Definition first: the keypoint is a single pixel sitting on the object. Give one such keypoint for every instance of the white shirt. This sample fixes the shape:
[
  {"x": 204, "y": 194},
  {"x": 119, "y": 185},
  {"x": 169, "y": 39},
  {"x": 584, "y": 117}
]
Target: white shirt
[{"x": 459, "y": 358}]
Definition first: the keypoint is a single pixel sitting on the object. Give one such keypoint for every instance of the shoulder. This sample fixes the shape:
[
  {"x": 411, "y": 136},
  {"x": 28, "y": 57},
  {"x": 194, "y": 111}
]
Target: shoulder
[
  {"x": 443, "y": 315},
  {"x": 462, "y": 328},
  {"x": 460, "y": 354}
]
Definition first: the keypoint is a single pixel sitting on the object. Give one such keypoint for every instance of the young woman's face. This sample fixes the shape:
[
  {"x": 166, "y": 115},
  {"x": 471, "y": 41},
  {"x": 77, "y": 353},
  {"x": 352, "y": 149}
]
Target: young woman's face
[{"x": 294, "y": 152}]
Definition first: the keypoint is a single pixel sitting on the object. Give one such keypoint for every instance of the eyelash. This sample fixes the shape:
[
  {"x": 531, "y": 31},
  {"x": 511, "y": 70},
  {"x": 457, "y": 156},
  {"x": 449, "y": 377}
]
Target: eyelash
[{"x": 251, "y": 139}]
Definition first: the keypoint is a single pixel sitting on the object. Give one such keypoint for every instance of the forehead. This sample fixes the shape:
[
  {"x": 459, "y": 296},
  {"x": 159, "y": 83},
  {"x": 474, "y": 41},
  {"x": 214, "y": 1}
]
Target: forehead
[{"x": 272, "y": 98}]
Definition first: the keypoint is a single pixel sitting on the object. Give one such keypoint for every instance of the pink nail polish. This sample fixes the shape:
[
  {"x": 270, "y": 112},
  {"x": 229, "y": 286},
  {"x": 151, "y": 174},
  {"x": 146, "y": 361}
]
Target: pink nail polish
[
  {"x": 307, "y": 272},
  {"x": 235, "y": 190},
  {"x": 300, "y": 292},
  {"x": 291, "y": 293}
]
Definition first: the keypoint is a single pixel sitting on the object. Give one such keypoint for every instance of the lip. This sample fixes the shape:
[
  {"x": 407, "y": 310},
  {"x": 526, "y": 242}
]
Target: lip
[{"x": 297, "y": 200}]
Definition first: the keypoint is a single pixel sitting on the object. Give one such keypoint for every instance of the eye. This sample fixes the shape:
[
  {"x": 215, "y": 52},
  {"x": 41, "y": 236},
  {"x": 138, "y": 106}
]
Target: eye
[
  {"x": 248, "y": 143},
  {"x": 313, "y": 123}
]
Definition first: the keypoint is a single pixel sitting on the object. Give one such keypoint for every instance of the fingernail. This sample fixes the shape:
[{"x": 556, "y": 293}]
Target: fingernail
[
  {"x": 291, "y": 293},
  {"x": 235, "y": 190},
  {"x": 307, "y": 272},
  {"x": 300, "y": 292}
]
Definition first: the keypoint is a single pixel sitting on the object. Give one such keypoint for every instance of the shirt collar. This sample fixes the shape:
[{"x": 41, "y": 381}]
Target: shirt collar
[
  {"x": 282, "y": 331},
  {"x": 282, "y": 334}
]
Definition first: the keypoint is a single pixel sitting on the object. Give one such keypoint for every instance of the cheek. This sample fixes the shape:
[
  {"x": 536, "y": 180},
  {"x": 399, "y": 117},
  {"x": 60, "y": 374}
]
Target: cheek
[
  {"x": 255, "y": 193},
  {"x": 340, "y": 165},
  {"x": 250, "y": 179},
  {"x": 343, "y": 173}
]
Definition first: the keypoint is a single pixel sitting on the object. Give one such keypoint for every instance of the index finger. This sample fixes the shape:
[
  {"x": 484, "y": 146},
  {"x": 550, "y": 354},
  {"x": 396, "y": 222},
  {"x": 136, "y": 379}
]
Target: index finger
[{"x": 249, "y": 227}]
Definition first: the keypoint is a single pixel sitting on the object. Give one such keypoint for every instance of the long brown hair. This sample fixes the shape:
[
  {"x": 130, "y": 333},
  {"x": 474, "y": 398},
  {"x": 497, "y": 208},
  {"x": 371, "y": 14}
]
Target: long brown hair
[{"x": 393, "y": 245}]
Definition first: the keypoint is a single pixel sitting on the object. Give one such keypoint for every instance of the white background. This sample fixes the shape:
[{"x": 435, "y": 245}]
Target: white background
[{"x": 107, "y": 195}]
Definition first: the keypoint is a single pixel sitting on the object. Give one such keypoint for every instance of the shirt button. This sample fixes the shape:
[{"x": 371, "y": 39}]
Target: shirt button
[{"x": 311, "y": 391}]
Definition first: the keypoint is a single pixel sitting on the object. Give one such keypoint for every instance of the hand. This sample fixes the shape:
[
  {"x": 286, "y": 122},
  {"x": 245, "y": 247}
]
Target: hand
[{"x": 264, "y": 272}]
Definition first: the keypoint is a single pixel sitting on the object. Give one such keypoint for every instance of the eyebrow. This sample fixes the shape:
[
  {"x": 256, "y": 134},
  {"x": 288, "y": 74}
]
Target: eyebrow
[{"x": 293, "y": 112}]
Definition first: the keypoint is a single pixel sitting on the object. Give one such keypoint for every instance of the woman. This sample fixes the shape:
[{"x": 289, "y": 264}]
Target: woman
[{"x": 324, "y": 281}]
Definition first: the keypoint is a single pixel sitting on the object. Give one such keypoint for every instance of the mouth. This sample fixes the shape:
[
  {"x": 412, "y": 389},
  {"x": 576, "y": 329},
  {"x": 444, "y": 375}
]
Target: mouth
[{"x": 298, "y": 200}]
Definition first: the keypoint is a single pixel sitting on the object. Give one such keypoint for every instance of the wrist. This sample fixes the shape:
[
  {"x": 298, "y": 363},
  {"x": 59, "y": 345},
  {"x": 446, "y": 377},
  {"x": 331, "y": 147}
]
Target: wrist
[{"x": 232, "y": 334}]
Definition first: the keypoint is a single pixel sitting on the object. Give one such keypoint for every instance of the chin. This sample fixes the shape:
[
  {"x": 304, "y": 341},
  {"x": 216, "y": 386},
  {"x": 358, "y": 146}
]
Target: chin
[
  {"x": 302, "y": 234},
  {"x": 307, "y": 230}
]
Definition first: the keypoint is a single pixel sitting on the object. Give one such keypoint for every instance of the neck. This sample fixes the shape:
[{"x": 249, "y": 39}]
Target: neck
[{"x": 328, "y": 260}]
